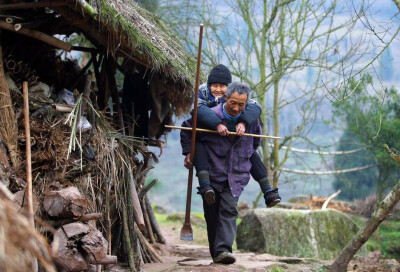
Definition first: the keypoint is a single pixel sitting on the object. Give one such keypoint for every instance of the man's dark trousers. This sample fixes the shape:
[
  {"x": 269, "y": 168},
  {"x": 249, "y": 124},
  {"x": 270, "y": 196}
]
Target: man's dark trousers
[{"x": 221, "y": 221}]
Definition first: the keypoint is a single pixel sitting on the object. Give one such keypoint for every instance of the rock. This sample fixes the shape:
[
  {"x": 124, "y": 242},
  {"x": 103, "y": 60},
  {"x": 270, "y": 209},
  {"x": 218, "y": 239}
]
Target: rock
[{"x": 320, "y": 234}]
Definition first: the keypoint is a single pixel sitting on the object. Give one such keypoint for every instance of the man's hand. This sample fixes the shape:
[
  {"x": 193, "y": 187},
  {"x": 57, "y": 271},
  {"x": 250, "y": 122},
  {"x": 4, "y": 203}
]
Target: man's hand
[
  {"x": 241, "y": 128},
  {"x": 222, "y": 130},
  {"x": 187, "y": 163}
]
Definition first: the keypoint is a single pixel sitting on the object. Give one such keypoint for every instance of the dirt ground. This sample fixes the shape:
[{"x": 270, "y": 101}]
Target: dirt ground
[{"x": 183, "y": 256}]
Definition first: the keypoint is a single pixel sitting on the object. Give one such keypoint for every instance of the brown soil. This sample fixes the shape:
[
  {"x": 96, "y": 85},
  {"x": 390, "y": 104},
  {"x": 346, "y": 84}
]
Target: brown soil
[{"x": 183, "y": 256}]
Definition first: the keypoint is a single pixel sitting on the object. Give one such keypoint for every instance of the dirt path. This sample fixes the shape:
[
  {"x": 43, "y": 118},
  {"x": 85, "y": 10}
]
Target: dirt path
[{"x": 182, "y": 256}]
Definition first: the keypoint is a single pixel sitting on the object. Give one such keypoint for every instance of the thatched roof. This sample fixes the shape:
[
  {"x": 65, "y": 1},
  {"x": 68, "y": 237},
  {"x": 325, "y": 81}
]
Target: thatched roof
[{"x": 125, "y": 29}]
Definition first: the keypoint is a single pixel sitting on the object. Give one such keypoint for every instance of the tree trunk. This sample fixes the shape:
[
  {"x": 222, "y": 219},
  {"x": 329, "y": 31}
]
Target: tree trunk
[{"x": 381, "y": 212}]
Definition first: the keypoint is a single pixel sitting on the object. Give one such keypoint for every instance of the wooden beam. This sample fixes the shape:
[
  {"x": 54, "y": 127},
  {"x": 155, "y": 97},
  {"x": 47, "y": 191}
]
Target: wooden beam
[
  {"x": 27, "y": 5},
  {"x": 39, "y": 36},
  {"x": 85, "y": 49}
]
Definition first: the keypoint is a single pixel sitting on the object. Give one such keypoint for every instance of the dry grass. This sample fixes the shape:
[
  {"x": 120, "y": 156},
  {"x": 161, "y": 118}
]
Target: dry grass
[
  {"x": 8, "y": 122},
  {"x": 20, "y": 243}
]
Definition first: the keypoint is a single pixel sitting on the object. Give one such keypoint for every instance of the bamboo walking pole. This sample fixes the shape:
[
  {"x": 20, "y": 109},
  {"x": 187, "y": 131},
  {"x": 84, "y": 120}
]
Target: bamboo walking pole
[
  {"x": 186, "y": 231},
  {"x": 231, "y": 133}
]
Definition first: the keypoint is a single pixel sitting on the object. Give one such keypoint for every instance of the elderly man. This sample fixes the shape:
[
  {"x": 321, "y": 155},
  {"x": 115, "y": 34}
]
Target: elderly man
[{"x": 229, "y": 159}]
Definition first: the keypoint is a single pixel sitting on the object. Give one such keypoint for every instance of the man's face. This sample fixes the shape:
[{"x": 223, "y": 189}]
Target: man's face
[
  {"x": 236, "y": 103},
  {"x": 218, "y": 90}
]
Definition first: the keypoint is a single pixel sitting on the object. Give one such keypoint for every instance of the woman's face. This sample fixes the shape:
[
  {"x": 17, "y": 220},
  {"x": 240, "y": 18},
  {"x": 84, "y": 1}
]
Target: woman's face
[{"x": 218, "y": 90}]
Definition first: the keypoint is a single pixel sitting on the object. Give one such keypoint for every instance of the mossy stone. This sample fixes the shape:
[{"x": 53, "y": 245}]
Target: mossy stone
[{"x": 320, "y": 234}]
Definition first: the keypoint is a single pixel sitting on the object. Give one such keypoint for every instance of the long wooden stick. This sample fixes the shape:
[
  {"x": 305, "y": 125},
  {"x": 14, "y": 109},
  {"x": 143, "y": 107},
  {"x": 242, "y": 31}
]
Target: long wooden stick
[
  {"x": 39, "y": 36},
  {"x": 28, "y": 155},
  {"x": 231, "y": 133},
  {"x": 186, "y": 231},
  {"x": 29, "y": 204}
]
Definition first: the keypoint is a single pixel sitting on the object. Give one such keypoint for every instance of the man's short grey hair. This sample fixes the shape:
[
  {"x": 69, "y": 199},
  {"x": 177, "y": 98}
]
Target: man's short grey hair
[{"x": 239, "y": 87}]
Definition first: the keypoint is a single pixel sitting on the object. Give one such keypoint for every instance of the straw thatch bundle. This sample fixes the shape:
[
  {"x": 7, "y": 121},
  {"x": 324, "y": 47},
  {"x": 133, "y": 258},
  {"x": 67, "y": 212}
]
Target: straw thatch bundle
[
  {"x": 20, "y": 243},
  {"x": 8, "y": 124}
]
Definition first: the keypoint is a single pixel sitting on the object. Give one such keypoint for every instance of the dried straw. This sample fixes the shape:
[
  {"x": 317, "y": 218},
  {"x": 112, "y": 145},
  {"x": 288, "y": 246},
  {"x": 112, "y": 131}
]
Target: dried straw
[
  {"x": 20, "y": 243},
  {"x": 8, "y": 122}
]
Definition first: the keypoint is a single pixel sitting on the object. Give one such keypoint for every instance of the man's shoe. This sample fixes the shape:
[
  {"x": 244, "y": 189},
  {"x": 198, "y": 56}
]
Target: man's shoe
[
  {"x": 208, "y": 194},
  {"x": 225, "y": 258},
  {"x": 272, "y": 198}
]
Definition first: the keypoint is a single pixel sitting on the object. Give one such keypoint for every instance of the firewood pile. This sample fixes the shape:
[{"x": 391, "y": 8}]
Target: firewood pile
[
  {"x": 75, "y": 242},
  {"x": 316, "y": 202},
  {"x": 88, "y": 182}
]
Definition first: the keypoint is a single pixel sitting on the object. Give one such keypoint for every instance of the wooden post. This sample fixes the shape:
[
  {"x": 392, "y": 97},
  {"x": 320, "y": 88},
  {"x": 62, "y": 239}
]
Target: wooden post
[
  {"x": 28, "y": 155},
  {"x": 29, "y": 205}
]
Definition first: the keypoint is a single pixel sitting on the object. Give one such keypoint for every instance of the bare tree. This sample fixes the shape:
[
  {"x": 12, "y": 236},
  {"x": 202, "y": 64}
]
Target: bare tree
[{"x": 271, "y": 45}]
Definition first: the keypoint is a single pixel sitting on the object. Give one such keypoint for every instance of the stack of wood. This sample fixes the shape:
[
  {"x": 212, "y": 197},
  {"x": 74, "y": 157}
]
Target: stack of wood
[
  {"x": 104, "y": 168},
  {"x": 76, "y": 242},
  {"x": 316, "y": 203}
]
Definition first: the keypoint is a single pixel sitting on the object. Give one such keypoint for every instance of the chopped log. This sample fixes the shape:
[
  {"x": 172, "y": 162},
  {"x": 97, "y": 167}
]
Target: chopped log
[
  {"x": 39, "y": 36},
  {"x": 75, "y": 230},
  {"x": 109, "y": 259},
  {"x": 65, "y": 203},
  {"x": 20, "y": 201},
  {"x": 66, "y": 258},
  {"x": 83, "y": 218},
  {"x": 95, "y": 245},
  {"x": 153, "y": 221},
  {"x": 147, "y": 188}
]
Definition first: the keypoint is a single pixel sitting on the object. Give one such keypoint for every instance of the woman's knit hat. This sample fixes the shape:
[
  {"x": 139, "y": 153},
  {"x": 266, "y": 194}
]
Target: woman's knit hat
[{"x": 219, "y": 74}]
